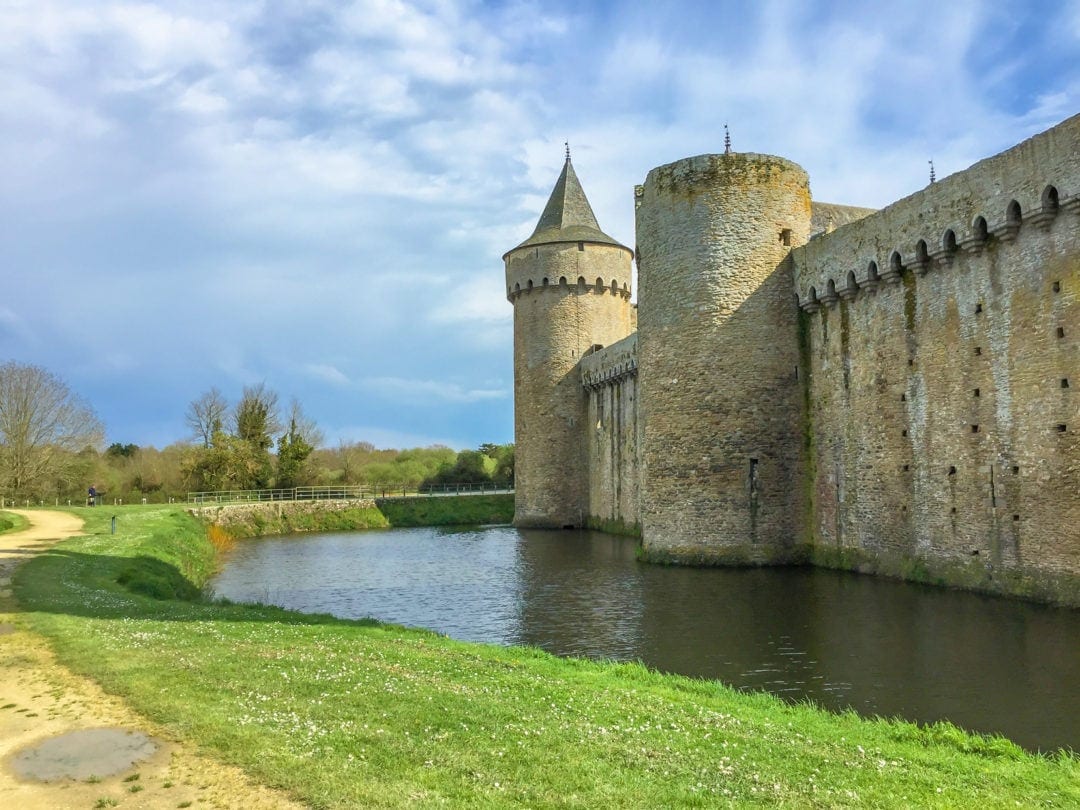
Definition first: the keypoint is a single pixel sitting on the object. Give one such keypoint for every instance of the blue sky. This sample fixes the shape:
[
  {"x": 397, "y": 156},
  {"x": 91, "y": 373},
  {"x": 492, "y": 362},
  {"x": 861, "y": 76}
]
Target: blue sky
[{"x": 317, "y": 194}]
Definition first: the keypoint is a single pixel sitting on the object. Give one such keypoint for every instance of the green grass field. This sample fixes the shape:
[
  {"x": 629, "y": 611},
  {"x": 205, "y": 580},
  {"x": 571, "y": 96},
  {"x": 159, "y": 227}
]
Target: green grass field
[{"x": 347, "y": 714}]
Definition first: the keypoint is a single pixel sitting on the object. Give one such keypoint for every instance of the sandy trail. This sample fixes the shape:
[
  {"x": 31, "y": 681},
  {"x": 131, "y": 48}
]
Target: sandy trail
[{"x": 40, "y": 699}]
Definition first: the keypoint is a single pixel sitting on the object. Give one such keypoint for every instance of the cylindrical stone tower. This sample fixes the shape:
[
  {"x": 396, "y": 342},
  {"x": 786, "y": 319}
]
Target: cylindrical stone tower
[
  {"x": 718, "y": 351},
  {"x": 570, "y": 286}
]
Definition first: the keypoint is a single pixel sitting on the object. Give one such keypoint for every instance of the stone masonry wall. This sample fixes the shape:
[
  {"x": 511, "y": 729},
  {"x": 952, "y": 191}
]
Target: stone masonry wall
[
  {"x": 247, "y": 514},
  {"x": 940, "y": 346},
  {"x": 612, "y": 430}
]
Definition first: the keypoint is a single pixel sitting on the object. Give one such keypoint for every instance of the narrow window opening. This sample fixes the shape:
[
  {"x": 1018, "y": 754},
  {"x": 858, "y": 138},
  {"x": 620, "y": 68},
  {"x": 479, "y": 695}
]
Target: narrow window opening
[
  {"x": 953, "y": 510},
  {"x": 993, "y": 491},
  {"x": 903, "y": 433},
  {"x": 974, "y": 428},
  {"x": 978, "y": 350},
  {"x": 1061, "y": 331},
  {"x": 1057, "y": 286},
  {"x": 978, "y": 308},
  {"x": 1016, "y": 470},
  {"x": 580, "y": 245},
  {"x": 1062, "y": 428},
  {"x": 1016, "y": 518},
  {"x": 977, "y": 392},
  {"x": 911, "y": 361},
  {"x": 753, "y": 478},
  {"x": 903, "y": 397},
  {"x": 785, "y": 237},
  {"x": 796, "y": 372},
  {"x": 952, "y": 470},
  {"x": 906, "y": 467},
  {"x": 1064, "y": 382}
]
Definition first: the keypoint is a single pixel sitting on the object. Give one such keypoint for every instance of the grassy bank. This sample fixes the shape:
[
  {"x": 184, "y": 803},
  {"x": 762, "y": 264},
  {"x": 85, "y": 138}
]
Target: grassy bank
[
  {"x": 347, "y": 714},
  {"x": 462, "y": 510},
  {"x": 10, "y": 522}
]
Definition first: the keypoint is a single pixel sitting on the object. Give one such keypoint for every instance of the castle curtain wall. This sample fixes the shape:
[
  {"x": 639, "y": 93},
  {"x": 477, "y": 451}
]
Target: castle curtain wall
[
  {"x": 612, "y": 436},
  {"x": 941, "y": 338}
]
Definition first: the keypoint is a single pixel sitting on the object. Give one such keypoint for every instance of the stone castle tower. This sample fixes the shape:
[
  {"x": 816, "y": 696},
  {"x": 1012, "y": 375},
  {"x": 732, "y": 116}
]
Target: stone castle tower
[
  {"x": 717, "y": 353},
  {"x": 570, "y": 286}
]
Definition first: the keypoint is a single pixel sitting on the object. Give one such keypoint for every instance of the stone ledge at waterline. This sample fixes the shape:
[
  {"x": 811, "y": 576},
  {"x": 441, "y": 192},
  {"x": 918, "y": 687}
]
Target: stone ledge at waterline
[{"x": 287, "y": 517}]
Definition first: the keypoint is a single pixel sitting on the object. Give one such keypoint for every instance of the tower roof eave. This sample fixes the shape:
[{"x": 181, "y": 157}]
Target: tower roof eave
[
  {"x": 568, "y": 216},
  {"x": 572, "y": 235}
]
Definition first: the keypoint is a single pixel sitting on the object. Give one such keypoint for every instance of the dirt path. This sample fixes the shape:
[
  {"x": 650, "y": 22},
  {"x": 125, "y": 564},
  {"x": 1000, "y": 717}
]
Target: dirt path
[{"x": 41, "y": 700}]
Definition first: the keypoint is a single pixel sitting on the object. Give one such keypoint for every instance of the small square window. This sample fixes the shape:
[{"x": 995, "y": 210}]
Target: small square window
[
  {"x": 974, "y": 428},
  {"x": 1057, "y": 286},
  {"x": 978, "y": 350},
  {"x": 978, "y": 309}
]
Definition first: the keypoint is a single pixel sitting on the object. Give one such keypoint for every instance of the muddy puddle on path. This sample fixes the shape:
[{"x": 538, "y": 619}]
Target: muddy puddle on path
[{"x": 95, "y": 752}]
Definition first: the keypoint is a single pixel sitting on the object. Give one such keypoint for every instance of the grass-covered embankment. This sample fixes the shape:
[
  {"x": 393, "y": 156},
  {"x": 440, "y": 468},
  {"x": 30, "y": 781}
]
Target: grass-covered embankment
[
  {"x": 448, "y": 510},
  {"x": 348, "y": 714},
  {"x": 10, "y": 522}
]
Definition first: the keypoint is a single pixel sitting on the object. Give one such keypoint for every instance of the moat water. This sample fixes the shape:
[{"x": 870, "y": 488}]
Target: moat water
[{"x": 842, "y": 640}]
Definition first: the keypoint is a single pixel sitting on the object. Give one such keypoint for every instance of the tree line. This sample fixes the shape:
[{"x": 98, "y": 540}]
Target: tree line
[{"x": 52, "y": 447}]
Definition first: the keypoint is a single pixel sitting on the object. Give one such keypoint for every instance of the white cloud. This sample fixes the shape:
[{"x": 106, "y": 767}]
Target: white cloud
[
  {"x": 412, "y": 391},
  {"x": 327, "y": 373}
]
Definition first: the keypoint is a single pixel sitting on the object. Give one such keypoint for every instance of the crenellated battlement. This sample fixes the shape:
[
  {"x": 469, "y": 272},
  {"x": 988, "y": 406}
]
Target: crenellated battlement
[
  {"x": 1018, "y": 194},
  {"x": 610, "y": 365},
  {"x": 561, "y": 285}
]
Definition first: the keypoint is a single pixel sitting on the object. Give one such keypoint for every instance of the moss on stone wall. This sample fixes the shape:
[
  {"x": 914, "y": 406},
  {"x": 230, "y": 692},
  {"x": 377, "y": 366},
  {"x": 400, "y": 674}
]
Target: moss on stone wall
[{"x": 614, "y": 526}]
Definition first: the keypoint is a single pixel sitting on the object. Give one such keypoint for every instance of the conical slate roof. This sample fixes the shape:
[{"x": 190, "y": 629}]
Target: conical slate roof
[{"x": 568, "y": 217}]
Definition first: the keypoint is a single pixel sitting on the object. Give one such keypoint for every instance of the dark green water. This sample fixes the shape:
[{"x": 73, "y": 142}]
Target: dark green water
[{"x": 842, "y": 640}]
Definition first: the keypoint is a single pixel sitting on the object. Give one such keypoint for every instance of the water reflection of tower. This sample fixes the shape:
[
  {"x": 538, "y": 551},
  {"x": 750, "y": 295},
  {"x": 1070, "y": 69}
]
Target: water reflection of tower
[{"x": 581, "y": 594}]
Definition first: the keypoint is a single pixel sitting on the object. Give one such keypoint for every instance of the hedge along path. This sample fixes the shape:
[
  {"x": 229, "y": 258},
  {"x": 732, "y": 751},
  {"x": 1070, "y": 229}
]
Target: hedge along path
[{"x": 40, "y": 700}]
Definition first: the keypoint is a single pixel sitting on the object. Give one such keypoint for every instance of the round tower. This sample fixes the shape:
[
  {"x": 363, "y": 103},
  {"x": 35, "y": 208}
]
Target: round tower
[
  {"x": 570, "y": 286},
  {"x": 718, "y": 350}
]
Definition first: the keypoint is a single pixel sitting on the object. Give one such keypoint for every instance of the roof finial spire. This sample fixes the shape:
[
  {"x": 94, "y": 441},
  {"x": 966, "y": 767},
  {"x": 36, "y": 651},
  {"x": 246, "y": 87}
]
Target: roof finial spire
[
  {"x": 567, "y": 145},
  {"x": 727, "y": 141},
  {"x": 933, "y": 177}
]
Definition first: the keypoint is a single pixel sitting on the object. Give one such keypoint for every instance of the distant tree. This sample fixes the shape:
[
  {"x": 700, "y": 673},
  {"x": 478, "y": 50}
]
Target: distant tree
[
  {"x": 43, "y": 425},
  {"x": 206, "y": 415},
  {"x": 117, "y": 450},
  {"x": 256, "y": 422},
  {"x": 301, "y": 437}
]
